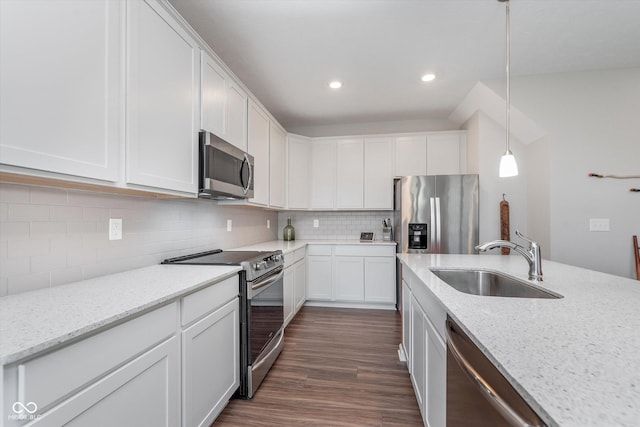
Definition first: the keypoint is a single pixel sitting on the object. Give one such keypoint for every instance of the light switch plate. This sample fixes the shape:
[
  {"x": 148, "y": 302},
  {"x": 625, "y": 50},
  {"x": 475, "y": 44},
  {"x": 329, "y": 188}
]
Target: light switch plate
[
  {"x": 268, "y": 223},
  {"x": 316, "y": 223},
  {"x": 115, "y": 228},
  {"x": 229, "y": 225},
  {"x": 599, "y": 224}
]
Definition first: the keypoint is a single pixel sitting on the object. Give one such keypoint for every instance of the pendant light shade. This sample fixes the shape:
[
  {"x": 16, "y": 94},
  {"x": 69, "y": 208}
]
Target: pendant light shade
[{"x": 508, "y": 166}]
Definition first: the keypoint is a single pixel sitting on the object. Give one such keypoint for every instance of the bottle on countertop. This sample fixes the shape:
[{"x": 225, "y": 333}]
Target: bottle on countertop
[{"x": 289, "y": 232}]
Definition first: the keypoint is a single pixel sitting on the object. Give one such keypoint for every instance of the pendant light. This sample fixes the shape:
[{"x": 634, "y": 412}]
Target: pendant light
[{"x": 508, "y": 166}]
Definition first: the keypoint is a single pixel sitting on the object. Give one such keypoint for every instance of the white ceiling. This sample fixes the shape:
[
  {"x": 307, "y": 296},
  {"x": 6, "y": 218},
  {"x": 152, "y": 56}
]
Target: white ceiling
[{"x": 286, "y": 51}]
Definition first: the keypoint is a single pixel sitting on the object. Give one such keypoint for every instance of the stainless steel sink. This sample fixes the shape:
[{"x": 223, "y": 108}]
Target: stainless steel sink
[{"x": 490, "y": 283}]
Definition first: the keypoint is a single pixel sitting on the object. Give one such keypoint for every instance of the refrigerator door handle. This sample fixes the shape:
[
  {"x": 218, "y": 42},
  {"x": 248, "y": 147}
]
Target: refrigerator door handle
[
  {"x": 438, "y": 234},
  {"x": 433, "y": 226}
]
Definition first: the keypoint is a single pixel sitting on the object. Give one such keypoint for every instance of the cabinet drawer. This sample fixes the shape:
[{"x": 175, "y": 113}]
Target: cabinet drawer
[
  {"x": 50, "y": 377},
  {"x": 319, "y": 249},
  {"x": 365, "y": 250},
  {"x": 292, "y": 257},
  {"x": 209, "y": 299},
  {"x": 431, "y": 306}
]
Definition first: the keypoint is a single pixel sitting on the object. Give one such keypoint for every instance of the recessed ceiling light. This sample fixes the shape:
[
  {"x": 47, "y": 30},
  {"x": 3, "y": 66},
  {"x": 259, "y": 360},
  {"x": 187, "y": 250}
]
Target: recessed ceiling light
[
  {"x": 428, "y": 77},
  {"x": 335, "y": 84}
]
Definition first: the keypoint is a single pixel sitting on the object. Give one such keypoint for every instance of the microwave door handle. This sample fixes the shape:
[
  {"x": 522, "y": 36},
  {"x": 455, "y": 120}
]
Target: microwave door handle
[{"x": 245, "y": 187}]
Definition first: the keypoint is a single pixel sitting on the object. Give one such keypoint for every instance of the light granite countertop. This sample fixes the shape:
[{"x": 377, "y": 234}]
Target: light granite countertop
[
  {"x": 576, "y": 360},
  {"x": 289, "y": 246},
  {"x": 35, "y": 321}
]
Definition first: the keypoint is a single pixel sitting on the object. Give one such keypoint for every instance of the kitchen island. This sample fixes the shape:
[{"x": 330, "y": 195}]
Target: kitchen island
[{"x": 575, "y": 359}]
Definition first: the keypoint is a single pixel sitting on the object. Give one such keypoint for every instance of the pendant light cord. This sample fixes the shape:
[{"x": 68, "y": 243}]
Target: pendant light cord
[{"x": 508, "y": 61}]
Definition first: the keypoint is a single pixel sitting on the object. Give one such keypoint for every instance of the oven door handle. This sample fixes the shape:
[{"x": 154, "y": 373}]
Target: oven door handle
[{"x": 268, "y": 281}]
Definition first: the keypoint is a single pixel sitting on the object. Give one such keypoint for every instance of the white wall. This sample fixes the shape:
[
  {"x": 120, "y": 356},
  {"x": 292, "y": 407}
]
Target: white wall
[
  {"x": 591, "y": 119},
  {"x": 51, "y": 236},
  {"x": 485, "y": 145}
]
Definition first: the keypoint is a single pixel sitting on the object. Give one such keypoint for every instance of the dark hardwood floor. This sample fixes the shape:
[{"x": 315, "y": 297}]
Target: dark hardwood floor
[{"x": 339, "y": 367}]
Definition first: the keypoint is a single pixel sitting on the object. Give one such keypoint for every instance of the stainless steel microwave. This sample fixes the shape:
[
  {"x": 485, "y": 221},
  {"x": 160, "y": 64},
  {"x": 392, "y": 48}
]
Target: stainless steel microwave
[{"x": 226, "y": 172}]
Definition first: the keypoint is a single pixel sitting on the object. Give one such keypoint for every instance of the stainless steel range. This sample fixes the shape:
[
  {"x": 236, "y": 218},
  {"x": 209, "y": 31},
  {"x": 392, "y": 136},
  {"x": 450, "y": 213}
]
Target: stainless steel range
[{"x": 261, "y": 309}]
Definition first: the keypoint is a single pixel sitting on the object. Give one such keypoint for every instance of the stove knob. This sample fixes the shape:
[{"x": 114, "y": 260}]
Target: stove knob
[
  {"x": 260, "y": 265},
  {"x": 277, "y": 258}
]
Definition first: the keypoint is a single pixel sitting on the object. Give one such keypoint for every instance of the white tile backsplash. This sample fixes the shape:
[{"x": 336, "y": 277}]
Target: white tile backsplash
[
  {"x": 51, "y": 236},
  {"x": 333, "y": 225}
]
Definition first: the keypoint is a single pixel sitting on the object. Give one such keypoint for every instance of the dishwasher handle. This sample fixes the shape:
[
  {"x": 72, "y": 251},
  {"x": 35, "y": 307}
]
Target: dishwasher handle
[{"x": 512, "y": 416}]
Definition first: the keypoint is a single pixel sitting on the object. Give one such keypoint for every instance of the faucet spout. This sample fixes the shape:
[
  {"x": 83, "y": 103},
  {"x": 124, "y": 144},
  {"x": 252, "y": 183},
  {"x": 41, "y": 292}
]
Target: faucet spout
[{"x": 531, "y": 254}]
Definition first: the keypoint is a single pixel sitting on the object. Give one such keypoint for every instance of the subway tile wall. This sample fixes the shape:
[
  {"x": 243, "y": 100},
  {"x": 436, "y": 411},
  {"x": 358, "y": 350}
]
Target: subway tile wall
[
  {"x": 333, "y": 225},
  {"x": 51, "y": 236}
]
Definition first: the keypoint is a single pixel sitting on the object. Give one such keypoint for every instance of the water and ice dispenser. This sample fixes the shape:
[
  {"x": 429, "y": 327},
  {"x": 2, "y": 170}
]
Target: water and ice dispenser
[{"x": 418, "y": 236}]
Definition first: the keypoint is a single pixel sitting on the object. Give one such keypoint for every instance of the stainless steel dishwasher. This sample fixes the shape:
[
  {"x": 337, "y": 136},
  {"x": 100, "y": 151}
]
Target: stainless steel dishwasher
[{"x": 477, "y": 394}]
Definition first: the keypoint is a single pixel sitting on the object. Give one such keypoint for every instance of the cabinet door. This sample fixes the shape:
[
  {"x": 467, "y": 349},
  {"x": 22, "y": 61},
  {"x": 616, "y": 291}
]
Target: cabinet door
[
  {"x": 210, "y": 364},
  {"x": 406, "y": 323},
  {"x": 145, "y": 391},
  {"x": 436, "y": 386},
  {"x": 350, "y": 174},
  {"x": 378, "y": 173},
  {"x": 300, "y": 285},
  {"x": 444, "y": 154},
  {"x": 258, "y": 147},
  {"x": 323, "y": 174},
  {"x": 277, "y": 168},
  {"x": 349, "y": 278},
  {"x": 418, "y": 353},
  {"x": 213, "y": 96},
  {"x": 60, "y": 82},
  {"x": 288, "y": 290},
  {"x": 319, "y": 279},
  {"x": 411, "y": 155},
  {"x": 380, "y": 279},
  {"x": 235, "y": 130},
  {"x": 163, "y": 117},
  {"x": 298, "y": 176}
]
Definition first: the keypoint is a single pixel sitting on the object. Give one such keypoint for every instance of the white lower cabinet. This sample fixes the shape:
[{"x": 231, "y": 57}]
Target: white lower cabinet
[
  {"x": 319, "y": 279},
  {"x": 288, "y": 290},
  {"x": 146, "y": 391},
  {"x": 294, "y": 283},
  {"x": 425, "y": 349},
  {"x": 146, "y": 371},
  {"x": 349, "y": 278},
  {"x": 210, "y": 365},
  {"x": 418, "y": 353},
  {"x": 351, "y": 275}
]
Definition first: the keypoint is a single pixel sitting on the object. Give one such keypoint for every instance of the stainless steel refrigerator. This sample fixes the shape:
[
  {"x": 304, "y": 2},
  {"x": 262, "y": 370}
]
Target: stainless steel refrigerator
[{"x": 435, "y": 214}]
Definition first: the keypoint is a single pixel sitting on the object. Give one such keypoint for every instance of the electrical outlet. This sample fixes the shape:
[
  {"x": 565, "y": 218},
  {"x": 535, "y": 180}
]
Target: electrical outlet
[
  {"x": 316, "y": 223},
  {"x": 115, "y": 228},
  {"x": 229, "y": 225},
  {"x": 599, "y": 224},
  {"x": 268, "y": 223}
]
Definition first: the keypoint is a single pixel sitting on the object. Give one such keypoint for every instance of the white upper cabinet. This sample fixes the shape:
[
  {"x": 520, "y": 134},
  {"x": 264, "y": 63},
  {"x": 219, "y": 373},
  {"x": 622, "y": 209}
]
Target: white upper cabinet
[
  {"x": 163, "y": 76},
  {"x": 441, "y": 153},
  {"x": 411, "y": 155},
  {"x": 277, "y": 168},
  {"x": 299, "y": 150},
  {"x": 258, "y": 147},
  {"x": 323, "y": 174},
  {"x": 213, "y": 96},
  {"x": 350, "y": 174},
  {"x": 446, "y": 153},
  {"x": 236, "y": 116},
  {"x": 223, "y": 104},
  {"x": 378, "y": 173},
  {"x": 61, "y": 99}
]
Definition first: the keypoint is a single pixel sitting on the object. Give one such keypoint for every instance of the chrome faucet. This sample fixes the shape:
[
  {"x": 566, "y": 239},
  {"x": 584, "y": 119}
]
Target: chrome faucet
[{"x": 531, "y": 254}]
